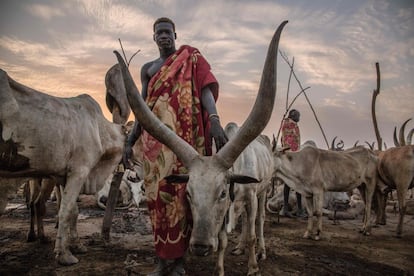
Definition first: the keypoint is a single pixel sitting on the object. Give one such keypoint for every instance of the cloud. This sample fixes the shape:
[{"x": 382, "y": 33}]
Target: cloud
[{"x": 44, "y": 12}]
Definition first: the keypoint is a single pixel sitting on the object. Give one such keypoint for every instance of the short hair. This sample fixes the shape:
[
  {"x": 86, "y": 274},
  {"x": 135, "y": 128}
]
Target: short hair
[
  {"x": 163, "y": 19},
  {"x": 292, "y": 112}
]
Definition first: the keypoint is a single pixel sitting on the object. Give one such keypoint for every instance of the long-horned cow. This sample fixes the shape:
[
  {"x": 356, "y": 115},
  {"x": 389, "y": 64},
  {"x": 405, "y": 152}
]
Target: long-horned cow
[
  {"x": 396, "y": 171},
  {"x": 312, "y": 172},
  {"x": 67, "y": 138},
  {"x": 209, "y": 176}
]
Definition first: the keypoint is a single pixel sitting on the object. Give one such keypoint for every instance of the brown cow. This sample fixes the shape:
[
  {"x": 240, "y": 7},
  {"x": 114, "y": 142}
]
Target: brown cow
[{"x": 396, "y": 171}]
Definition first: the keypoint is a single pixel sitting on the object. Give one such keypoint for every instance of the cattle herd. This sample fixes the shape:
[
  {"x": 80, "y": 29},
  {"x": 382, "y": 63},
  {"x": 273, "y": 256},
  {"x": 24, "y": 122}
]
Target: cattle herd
[{"x": 67, "y": 145}]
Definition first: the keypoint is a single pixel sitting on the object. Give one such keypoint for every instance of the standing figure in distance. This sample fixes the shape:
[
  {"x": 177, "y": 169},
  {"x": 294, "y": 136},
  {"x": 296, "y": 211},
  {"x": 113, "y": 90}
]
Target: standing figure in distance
[
  {"x": 181, "y": 91},
  {"x": 291, "y": 138}
]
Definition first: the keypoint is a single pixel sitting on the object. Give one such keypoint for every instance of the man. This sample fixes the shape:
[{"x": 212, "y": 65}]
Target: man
[
  {"x": 181, "y": 90},
  {"x": 291, "y": 138}
]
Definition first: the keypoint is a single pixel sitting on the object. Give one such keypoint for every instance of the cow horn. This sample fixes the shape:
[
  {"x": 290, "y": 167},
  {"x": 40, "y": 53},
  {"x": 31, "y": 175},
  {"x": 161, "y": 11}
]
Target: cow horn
[
  {"x": 333, "y": 143},
  {"x": 402, "y": 130},
  {"x": 116, "y": 100},
  {"x": 262, "y": 109},
  {"x": 184, "y": 151},
  {"x": 371, "y": 146},
  {"x": 410, "y": 136},
  {"x": 396, "y": 142},
  {"x": 356, "y": 143}
]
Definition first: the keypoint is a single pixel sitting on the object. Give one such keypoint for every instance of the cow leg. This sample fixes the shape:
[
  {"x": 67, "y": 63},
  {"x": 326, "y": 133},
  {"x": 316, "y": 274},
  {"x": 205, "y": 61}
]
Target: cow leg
[
  {"x": 368, "y": 194},
  {"x": 251, "y": 212},
  {"x": 75, "y": 245},
  {"x": 402, "y": 206},
  {"x": 68, "y": 201},
  {"x": 309, "y": 209},
  {"x": 241, "y": 245},
  {"x": 31, "y": 236},
  {"x": 46, "y": 188},
  {"x": 318, "y": 201},
  {"x": 40, "y": 214},
  {"x": 223, "y": 241},
  {"x": 261, "y": 253},
  {"x": 32, "y": 194}
]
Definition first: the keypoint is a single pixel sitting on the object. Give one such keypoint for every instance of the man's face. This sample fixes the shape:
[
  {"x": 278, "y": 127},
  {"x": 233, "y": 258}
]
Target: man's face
[
  {"x": 164, "y": 35},
  {"x": 295, "y": 116}
]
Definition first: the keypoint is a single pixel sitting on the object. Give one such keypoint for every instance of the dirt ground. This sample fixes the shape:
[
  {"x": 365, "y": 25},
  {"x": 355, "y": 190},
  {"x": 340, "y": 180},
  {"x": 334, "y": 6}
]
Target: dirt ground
[{"x": 341, "y": 251}]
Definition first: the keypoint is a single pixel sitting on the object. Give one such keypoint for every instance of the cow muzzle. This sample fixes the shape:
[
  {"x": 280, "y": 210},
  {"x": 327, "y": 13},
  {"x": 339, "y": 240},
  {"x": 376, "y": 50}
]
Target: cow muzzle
[{"x": 201, "y": 250}]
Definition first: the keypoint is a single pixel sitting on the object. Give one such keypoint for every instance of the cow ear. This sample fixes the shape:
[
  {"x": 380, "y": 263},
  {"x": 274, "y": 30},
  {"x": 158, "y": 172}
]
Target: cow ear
[
  {"x": 231, "y": 191},
  {"x": 242, "y": 179},
  {"x": 177, "y": 178}
]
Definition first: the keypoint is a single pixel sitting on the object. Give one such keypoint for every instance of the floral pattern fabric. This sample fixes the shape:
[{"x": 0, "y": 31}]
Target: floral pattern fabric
[
  {"x": 290, "y": 134},
  {"x": 174, "y": 96}
]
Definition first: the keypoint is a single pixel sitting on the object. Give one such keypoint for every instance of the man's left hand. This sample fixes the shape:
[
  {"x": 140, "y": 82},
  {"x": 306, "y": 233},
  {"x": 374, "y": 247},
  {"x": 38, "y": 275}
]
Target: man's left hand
[{"x": 218, "y": 134}]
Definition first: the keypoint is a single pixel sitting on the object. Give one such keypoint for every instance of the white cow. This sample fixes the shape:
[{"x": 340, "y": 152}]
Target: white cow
[
  {"x": 255, "y": 161},
  {"x": 209, "y": 176},
  {"x": 330, "y": 200},
  {"x": 67, "y": 138},
  {"x": 312, "y": 172}
]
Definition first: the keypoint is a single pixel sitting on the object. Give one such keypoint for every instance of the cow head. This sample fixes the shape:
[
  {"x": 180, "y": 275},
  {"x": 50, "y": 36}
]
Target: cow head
[
  {"x": 209, "y": 194},
  {"x": 208, "y": 176}
]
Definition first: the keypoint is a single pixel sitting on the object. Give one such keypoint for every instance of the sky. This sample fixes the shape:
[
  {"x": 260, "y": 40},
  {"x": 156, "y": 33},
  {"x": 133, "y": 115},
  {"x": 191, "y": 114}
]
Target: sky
[{"x": 64, "y": 48}]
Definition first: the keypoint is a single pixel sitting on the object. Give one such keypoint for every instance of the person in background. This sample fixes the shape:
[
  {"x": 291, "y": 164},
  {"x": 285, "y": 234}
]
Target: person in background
[
  {"x": 291, "y": 138},
  {"x": 181, "y": 91}
]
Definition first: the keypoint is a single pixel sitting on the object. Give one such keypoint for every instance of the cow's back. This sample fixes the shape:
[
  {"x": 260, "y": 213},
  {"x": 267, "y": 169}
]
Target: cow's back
[
  {"x": 48, "y": 135},
  {"x": 397, "y": 163}
]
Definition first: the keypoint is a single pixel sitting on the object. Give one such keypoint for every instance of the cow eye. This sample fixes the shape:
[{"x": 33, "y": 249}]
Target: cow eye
[{"x": 223, "y": 194}]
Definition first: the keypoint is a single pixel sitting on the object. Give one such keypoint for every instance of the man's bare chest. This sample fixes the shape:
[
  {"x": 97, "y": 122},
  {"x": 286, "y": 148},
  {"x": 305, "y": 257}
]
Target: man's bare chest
[{"x": 155, "y": 67}]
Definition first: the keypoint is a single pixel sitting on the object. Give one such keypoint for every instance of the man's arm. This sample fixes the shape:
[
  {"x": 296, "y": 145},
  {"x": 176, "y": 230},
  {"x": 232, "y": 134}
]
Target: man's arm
[{"x": 216, "y": 130}]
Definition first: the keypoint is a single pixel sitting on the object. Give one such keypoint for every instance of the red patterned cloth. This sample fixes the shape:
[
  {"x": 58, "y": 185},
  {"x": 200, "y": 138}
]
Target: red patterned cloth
[
  {"x": 290, "y": 134},
  {"x": 174, "y": 96}
]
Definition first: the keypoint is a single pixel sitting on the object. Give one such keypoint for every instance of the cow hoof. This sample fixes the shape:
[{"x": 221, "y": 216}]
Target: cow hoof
[
  {"x": 254, "y": 271},
  {"x": 306, "y": 235},
  {"x": 317, "y": 238},
  {"x": 261, "y": 256},
  {"x": 237, "y": 252},
  {"x": 66, "y": 259},
  {"x": 78, "y": 248}
]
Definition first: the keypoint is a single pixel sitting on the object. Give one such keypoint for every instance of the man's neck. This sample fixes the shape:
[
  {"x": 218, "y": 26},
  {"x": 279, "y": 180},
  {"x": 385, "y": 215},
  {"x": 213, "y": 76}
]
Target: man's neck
[{"x": 165, "y": 53}]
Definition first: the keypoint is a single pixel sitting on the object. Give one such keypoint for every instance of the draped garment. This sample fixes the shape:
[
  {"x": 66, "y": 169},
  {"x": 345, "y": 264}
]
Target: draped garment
[{"x": 174, "y": 96}]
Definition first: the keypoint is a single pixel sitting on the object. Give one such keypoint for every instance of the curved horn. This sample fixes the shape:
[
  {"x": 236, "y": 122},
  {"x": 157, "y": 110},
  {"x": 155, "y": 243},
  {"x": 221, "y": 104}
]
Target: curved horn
[
  {"x": 184, "y": 151},
  {"x": 333, "y": 143},
  {"x": 371, "y": 146},
  {"x": 262, "y": 109},
  {"x": 116, "y": 99},
  {"x": 396, "y": 142},
  {"x": 340, "y": 145},
  {"x": 410, "y": 136},
  {"x": 356, "y": 143},
  {"x": 402, "y": 130}
]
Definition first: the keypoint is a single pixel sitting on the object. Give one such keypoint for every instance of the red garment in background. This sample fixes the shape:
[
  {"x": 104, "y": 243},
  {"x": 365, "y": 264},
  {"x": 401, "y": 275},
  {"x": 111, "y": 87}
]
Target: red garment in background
[{"x": 290, "y": 134}]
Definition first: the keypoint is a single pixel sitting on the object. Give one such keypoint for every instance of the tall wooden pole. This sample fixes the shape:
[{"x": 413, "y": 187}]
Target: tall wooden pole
[{"x": 374, "y": 98}]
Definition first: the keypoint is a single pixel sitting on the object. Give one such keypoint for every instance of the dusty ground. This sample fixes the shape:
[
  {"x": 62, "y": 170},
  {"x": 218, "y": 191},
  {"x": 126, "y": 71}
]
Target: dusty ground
[{"x": 342, "y": 250}]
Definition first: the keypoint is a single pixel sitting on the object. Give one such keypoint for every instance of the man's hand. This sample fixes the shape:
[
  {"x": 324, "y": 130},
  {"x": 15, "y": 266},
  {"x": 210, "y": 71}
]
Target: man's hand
[{"x": 217, "y": 132}]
